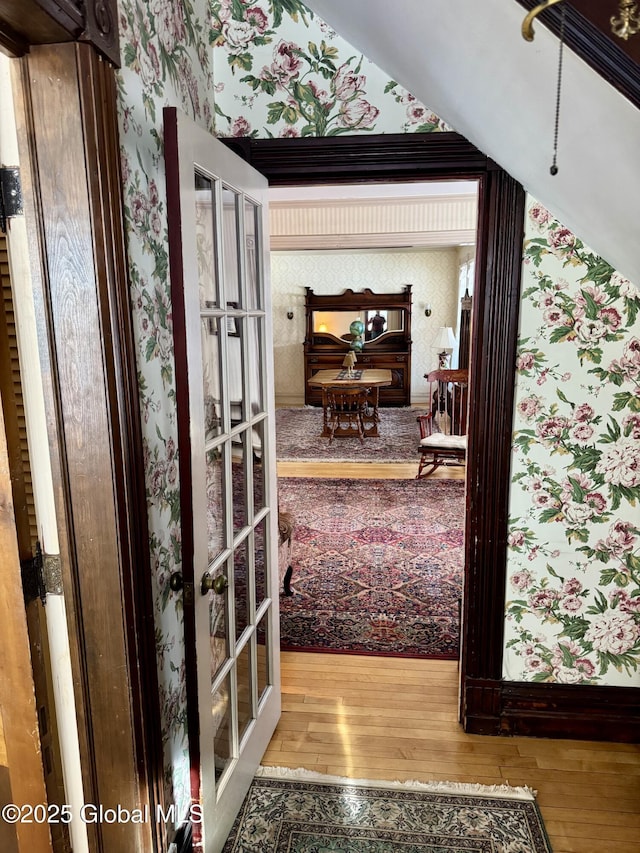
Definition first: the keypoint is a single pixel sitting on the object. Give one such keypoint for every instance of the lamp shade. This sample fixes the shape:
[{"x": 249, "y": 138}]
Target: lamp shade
[{"x": 445, "y": 339}]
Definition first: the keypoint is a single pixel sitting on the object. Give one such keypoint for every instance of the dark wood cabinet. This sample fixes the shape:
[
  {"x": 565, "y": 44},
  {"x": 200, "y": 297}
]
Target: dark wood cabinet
[{"x": 328, "y": 338}]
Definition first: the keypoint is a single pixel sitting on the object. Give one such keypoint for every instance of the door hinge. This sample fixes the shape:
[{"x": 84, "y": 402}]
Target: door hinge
[
  {"x": 11, "y": 203},
  {"x": 41, "y": 576}
]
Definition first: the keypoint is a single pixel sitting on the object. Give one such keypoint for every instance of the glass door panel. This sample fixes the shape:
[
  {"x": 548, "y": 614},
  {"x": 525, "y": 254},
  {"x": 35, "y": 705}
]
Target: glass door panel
[
  {"x": 211, "y": 378},
  {"x": 257, "y": 443},
  {"x": 255, "y": 361},
  {"x": 239, "y": 475},
  {"x": 252, "y": 266},
  {"x": 215, "y": 503},
  {"x": 221, "y": 713},
  {"x": 262, "y": 654},
  {"x": 260, "y": 574},
  {"x": 218, "y": 627},
  {"x": 241, "y": 588},
  {"x": 205, "y": 241},
  {"x": 245, "y": 670},
  {"x": 230, "y": 246}
]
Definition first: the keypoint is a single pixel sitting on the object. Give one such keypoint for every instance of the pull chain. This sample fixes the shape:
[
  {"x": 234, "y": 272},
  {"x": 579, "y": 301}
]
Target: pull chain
[{"x": 554, "y": 168}]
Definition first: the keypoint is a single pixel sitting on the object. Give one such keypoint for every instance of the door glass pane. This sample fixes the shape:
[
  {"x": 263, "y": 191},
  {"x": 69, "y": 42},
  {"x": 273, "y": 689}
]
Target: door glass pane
[
  {"x": 251, "y": 253},
  {"x": 255, "y": 328},
  {"x": 239, "y": 474},
  {"x": 209, "y": 327},
  {"x": 262, "y": 648},
  {"x": 205, "y": 241},
  {"x": 215, "y": 504},
  {"x": 245, "y": 690},
  {"x": 218, "y": 623},
  {"x": 260, "y": 544},
  {"x": 235, "y": 365},
  {"x": 257, "y": 446},
  {"x": 241, "y": 587},
  {"x": 222, "y": 740},
  {"x": 230, "y": 256}
]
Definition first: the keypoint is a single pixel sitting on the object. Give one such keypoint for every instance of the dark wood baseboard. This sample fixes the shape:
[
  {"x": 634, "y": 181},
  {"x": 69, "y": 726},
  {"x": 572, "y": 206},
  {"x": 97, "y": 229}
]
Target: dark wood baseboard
[{"x": 571, "y": 711}]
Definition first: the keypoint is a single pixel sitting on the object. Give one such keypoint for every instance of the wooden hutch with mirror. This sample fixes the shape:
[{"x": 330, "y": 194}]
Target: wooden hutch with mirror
[{"x": 328, "y": 338}]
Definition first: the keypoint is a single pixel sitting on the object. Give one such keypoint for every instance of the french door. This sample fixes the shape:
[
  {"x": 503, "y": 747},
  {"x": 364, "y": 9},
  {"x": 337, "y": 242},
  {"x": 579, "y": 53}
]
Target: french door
[{"x": 218, "y": 237}]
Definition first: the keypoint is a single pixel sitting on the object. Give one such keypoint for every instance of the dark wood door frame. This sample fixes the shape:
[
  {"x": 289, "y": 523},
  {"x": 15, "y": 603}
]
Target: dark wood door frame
[{"x": 489, "y": 705}]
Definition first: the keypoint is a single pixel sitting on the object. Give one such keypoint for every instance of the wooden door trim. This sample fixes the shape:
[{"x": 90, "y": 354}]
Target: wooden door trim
[
  {"x": 73, "y": 201},
  {"x": 24, "y": 23},
  {"x": 489, "y": 705}
]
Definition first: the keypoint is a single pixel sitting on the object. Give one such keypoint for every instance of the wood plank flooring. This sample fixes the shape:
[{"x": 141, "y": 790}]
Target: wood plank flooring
[
  {"x": 392, "y": 718},
  {"x": 389, "y": 718}
]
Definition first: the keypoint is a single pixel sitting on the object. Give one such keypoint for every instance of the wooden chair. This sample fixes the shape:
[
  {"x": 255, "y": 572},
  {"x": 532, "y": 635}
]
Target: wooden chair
[
  {"x": 443, "y": 430},
  {"x": 345, "y": 410}
]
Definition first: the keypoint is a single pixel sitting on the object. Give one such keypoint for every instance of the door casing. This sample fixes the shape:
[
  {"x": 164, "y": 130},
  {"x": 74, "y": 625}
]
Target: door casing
[{"x": 488, "y": 705}]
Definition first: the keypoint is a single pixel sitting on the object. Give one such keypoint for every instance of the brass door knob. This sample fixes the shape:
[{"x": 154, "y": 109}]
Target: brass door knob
[
  {"x": 217, "y": 584},
  {"x": 176, "y": 581}
]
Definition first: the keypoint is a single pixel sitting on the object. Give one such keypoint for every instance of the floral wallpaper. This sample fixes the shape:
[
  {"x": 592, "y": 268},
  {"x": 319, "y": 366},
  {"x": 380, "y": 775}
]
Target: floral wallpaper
[
  {"x": 281, "y": 68},
  {"x": 165, "y": 61},
  {"x": 281, "y": 71},
  {"x": 573, "y": 589}
]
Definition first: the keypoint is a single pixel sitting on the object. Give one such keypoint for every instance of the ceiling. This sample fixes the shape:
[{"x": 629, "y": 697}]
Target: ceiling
[{"x": 469, "y": 63}]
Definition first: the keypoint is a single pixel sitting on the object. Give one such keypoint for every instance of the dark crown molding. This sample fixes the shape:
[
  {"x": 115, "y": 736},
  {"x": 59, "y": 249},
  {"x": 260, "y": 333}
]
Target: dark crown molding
[{"x": 593, "y": 47}]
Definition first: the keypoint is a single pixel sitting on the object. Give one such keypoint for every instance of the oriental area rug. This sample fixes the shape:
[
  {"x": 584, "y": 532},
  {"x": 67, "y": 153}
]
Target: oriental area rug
[
  {"x": 310, "y": 813},
  {"x": 377, "y": 566},
  {"x": 298, "y": 438}
]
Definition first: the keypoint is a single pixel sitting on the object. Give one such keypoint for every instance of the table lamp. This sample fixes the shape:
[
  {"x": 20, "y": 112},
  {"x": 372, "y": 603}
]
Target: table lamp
[
  {"x": 348, "y": 362},
  {"x": 445, "y": 342}
]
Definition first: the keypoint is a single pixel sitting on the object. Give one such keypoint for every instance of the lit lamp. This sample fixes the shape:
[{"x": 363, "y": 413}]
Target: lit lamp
[
  {"x": 349, "y": 361},
  {"x": 446, "y": 343}
]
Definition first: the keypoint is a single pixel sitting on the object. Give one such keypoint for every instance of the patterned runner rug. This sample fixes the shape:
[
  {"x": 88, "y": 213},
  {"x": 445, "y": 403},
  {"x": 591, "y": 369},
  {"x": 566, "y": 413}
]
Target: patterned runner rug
[
  {"x": 298, "y": 438},
  {"x": 377, "y": 566},
  {"x": 314, "y": 814}
]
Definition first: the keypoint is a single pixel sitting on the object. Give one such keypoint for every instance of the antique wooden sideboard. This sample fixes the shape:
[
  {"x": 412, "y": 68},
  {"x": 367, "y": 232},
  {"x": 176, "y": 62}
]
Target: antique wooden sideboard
[{"x": 328, "y": 338}]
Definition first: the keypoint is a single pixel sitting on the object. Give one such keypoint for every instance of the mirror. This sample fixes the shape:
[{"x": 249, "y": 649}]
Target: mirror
[{"x": 337, "y": 323}]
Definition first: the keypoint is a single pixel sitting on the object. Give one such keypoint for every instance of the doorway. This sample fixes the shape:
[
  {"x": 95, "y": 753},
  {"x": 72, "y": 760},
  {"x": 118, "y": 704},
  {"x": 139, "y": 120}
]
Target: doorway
[
  {"x": 323, "y": 238},
  {"x": 402, "y": 157}
]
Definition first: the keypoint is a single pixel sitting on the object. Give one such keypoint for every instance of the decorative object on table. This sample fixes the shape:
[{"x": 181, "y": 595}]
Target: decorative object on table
[
  {"x": 379, "y": 566},
  {"x": 298, "y": 810},
  {"x": 357, "y": 330},
  {"x": 298, "y": 431},
  {"x": 445, "y": 343},
  {"x": 349, "y": 361}
]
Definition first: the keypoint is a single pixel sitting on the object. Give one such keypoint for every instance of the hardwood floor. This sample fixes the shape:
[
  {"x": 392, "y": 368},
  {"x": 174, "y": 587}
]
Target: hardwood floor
[
  {"x": 390, "y": 718},
  {"x": 396, "y": 718}
]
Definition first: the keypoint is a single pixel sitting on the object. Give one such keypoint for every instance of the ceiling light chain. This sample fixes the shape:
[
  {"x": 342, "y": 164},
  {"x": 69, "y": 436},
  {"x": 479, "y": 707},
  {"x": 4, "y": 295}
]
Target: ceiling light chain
[{"x": 554, "y": 168}]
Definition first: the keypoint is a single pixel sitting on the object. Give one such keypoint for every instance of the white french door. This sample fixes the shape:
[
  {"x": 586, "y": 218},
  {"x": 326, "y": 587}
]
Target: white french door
[{"x": 218, "y": 234}]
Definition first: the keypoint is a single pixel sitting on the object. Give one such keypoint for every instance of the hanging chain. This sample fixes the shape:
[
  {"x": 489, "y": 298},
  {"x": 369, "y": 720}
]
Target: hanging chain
[{"x": 554, "y": 167}]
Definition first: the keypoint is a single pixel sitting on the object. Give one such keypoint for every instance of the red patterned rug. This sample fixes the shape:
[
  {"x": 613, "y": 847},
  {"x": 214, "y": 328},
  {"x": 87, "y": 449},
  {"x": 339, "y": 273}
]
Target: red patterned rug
[
  {"x": 298, "y": 438},
  {"x": 377, "y": 566}
]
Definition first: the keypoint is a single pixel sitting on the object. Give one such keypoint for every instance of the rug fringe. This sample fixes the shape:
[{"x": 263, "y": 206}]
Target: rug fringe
[{"x": 454, "y": 788}]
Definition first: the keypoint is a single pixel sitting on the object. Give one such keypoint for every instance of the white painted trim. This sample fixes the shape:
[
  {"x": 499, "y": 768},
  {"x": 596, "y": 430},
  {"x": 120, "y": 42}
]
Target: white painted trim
[{"x": 381, "y": 241}]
